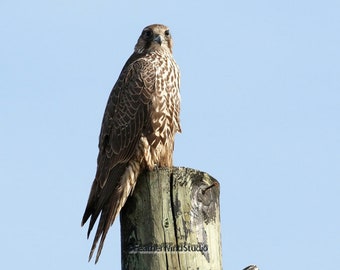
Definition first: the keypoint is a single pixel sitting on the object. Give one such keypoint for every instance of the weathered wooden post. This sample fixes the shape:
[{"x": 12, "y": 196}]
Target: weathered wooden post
[{"x": 172, "y": 221}]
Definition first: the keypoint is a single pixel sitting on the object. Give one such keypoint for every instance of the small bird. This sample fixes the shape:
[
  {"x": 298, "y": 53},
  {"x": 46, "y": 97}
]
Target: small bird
[
  {"x": 138, "y": 128},
  {"x": 251, "y": 267}
]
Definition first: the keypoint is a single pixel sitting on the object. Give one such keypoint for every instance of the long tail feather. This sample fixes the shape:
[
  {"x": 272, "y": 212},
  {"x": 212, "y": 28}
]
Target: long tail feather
[{"x": 109, "y": 202}]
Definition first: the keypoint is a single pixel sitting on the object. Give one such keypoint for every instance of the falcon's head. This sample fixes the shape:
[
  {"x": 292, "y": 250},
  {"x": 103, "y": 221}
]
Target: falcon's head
[{"x": 153, "y": 38}]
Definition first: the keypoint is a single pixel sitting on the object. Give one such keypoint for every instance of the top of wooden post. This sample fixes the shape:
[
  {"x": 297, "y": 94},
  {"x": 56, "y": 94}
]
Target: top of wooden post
[{"x": 172, "y": 221}]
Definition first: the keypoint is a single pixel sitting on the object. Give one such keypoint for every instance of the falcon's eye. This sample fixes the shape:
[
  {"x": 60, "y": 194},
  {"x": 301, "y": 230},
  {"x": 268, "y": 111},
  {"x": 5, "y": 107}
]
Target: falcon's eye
[
  {"x": 167, "y": 33},
  {"x": 147, "y": 33}
]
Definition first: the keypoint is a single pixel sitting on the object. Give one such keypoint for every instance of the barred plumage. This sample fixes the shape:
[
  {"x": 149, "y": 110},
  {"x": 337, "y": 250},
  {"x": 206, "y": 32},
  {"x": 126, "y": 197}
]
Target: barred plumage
[{"x": 138, "y": 128}]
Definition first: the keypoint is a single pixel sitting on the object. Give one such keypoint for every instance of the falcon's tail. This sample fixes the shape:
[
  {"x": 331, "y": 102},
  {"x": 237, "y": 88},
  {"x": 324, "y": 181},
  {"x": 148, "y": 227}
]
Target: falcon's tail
[{"x": 108, "y": 201}]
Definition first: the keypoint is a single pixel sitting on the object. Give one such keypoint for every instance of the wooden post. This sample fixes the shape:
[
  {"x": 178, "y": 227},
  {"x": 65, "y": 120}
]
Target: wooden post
[{"x": 172, "y": 222}]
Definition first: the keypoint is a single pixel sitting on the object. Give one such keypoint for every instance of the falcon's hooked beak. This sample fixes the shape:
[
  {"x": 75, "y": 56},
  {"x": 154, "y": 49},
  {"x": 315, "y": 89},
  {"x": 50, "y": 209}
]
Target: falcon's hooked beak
[{"x": 158, "y": 39}]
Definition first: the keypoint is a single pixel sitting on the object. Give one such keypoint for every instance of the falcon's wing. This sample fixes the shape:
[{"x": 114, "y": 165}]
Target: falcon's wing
[{"x": 126, "y": 117}]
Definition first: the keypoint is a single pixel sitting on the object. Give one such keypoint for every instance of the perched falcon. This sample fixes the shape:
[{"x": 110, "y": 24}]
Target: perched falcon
[{"x": 138, "y": 128}]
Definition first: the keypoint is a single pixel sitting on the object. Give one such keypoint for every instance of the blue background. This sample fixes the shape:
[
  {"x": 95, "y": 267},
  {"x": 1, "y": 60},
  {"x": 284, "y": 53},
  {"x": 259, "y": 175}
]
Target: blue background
[{"x": 260, "y": 113}]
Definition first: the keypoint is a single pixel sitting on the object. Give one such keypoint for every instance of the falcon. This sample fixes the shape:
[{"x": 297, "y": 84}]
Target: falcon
[{"x": 138, "y": 128}]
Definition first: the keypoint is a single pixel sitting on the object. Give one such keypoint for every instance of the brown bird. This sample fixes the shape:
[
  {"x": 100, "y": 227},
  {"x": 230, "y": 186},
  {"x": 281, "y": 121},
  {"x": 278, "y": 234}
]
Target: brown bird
[{"x": 138, "y": 128}]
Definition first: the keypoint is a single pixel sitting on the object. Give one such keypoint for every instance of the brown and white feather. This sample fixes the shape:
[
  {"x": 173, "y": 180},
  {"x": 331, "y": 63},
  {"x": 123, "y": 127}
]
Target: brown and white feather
[{"x": 138, "y": 128}]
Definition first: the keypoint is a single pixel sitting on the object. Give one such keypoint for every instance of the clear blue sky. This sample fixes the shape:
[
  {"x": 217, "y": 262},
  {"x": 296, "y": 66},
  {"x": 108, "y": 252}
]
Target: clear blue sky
[{"x": 260, "y": 113}]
